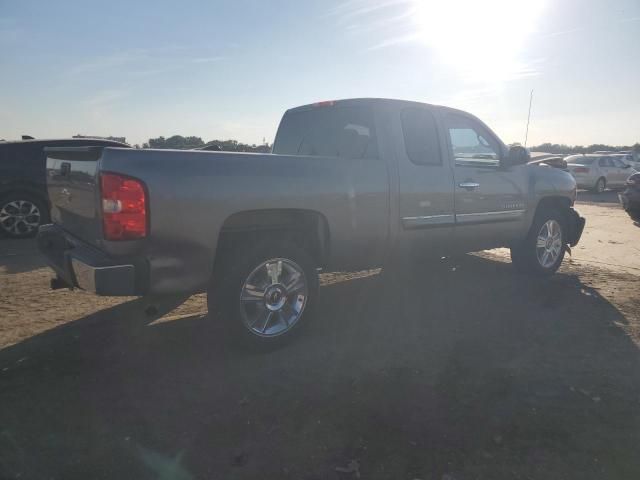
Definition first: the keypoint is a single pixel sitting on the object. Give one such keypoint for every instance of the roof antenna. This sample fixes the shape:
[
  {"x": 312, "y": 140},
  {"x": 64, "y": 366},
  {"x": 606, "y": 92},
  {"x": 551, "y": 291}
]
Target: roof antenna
[{"x": 526, "y": 136}]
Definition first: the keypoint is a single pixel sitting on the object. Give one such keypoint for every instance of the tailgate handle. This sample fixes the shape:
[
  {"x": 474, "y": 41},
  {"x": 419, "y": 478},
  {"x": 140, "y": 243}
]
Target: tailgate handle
[{"x": 65, "y": 168}]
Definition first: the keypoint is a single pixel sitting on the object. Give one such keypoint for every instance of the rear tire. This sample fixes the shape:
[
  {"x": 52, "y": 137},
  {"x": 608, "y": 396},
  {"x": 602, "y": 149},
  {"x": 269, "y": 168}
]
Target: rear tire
[
  {"x": 542, "y": 251},
  {"x": 21, "y": 214},
  {"x": 265, "y": 293},
  {"x": 600, "y": 185}
]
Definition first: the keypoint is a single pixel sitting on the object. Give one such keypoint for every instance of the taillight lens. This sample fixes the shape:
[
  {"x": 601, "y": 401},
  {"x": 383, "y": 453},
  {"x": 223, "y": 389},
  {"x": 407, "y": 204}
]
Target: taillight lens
[
  {"x": 581, "y": 170},
  {"x": 325, "y": 103},
  {"x": 124, "y": 207}
]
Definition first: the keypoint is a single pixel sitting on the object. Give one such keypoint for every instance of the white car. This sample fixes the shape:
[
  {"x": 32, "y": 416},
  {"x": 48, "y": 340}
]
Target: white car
[
  {"x": 629, "y": 159},
  {"x": 597, "y": 172}
]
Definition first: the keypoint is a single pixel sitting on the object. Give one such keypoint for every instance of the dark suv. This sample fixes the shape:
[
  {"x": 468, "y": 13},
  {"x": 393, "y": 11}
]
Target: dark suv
[
  {"x": 630, "y": 197},
  {"x": 24, "y": 205}
]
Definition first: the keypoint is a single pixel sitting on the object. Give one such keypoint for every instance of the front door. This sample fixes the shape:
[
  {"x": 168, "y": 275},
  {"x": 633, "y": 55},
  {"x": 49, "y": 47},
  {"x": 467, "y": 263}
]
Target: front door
[
  {"x": 490, "y": 199},
  {"x": 608, "y": 171}
]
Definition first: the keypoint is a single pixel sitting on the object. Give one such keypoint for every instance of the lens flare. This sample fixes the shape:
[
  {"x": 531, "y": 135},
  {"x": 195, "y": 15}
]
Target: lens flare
[{"x": 482, "y": 38}]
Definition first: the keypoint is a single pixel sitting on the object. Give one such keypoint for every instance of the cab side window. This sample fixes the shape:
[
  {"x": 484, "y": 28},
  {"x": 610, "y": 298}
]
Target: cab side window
[
  {"x": 472, "y": 145},
  {"x": 421, "y": 136}
]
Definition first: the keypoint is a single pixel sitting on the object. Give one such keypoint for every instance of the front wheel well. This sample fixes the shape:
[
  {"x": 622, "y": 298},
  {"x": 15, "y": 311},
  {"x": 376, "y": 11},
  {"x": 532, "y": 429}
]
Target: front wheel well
[
  {"x": 307, "y": 229},
  {"x": 557, "y": 202},
  {"x": 562, "y": 204}
]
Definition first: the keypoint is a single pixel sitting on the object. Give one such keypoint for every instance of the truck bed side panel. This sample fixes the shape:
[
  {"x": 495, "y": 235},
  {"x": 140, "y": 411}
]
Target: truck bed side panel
[{"x": 191, "y": 194}]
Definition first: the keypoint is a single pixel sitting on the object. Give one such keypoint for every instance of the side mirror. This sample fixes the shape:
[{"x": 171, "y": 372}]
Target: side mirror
[{"x": 517, "y": 156}]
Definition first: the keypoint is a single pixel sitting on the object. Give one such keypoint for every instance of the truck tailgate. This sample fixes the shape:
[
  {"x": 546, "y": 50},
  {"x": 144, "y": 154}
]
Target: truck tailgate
[{"x": 73, "y": 185}]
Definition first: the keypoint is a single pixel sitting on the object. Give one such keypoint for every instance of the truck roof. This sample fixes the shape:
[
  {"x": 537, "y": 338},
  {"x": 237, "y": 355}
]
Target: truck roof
[{"x": 363, "y": 102}]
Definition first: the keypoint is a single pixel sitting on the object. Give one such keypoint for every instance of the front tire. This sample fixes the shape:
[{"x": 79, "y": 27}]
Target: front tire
[
  {"x": 265, "y": 293},
  {"x": 542, "y": 251}
]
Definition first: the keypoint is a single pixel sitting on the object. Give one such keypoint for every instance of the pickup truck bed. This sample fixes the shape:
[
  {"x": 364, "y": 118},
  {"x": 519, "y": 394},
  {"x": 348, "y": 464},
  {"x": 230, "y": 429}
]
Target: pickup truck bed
[{"x": 193, "y": 196}]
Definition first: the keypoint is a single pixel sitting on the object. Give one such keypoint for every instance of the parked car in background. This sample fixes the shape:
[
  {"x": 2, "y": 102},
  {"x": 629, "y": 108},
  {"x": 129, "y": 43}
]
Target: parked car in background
[
  {"x": 629, "y": 159},
  {"x": 630, "y": 197},
  {"x": 24, "y": 205},
  {"x": 548, "y": 159},
  {"x": 348, "y": 183},
  {"x": 635, "y": 155},
  {"x": 598, "y": 172}
]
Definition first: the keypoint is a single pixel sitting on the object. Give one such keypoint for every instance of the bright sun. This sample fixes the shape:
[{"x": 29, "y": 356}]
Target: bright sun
[{"x": 484, "y": 38}]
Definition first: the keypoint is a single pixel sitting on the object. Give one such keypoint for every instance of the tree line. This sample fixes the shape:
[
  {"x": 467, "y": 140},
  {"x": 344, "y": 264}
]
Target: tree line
[
  {"x": 562, "y": 149},
  {"x": 187, "y": 143}
]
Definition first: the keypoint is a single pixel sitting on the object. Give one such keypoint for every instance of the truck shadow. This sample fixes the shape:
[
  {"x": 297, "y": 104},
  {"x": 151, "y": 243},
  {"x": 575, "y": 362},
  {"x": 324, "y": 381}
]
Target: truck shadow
[
  {"x": 18, "y": 256},
  {"x": 459, "y": 366}
]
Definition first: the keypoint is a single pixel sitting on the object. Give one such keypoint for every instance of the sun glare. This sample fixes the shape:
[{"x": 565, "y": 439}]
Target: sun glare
[{"x": 484, "y": 39}]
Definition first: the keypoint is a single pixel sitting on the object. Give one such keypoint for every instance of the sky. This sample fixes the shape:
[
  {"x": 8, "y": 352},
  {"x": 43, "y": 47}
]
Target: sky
[{"x": 230, "y": 69}]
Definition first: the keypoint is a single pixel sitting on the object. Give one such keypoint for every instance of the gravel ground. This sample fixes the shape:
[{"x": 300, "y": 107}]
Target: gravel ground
[{"x": 459, "y": 367}]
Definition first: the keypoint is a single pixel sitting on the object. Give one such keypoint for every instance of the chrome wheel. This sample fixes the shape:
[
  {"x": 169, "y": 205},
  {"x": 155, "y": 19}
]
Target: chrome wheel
[
  {"x": 19, "y": 217},
  {"x": 273, "y": 297},
  {"x": 549, "y": 243}
]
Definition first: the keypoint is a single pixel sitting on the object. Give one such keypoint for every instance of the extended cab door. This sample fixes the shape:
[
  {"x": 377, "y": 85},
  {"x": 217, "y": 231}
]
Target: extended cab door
[
  {"x": 425, "y": 184},
  {"x": 490, "y": 199}
]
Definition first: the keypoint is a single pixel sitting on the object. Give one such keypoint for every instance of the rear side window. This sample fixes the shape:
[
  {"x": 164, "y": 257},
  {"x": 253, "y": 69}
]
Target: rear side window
[
  {"x": 25, "y": 154},
  {"x": 421, "y": 136},
  {"x": 605, "y": 162},
  {"x": 617, "y": 162},
  {"x": 331, "y": 131}
]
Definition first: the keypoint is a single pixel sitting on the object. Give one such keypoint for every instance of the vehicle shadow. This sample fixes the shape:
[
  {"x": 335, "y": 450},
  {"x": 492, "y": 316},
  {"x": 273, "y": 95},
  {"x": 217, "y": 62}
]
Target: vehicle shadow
[
  {"x": 458, "y": 367},
  {"x": 19, "y": 256},
  {"x": 606, "y": 197}
]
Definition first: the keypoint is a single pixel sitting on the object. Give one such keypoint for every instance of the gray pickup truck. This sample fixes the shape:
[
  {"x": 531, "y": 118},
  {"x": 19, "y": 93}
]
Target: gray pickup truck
[{"x": 348, "y": 182}]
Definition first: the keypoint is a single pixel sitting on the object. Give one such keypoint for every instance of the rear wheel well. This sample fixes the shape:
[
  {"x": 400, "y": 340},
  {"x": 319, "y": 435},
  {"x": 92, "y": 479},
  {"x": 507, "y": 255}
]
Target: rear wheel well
[{"x": 307, "y": 229}]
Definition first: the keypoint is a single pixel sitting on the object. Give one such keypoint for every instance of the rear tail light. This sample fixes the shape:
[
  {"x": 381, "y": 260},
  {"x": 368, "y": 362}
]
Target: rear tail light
[
  {"x": 325, "y": 103},
  {"x": 124, "y": 207},
  {"x": 581, "y": 170}
]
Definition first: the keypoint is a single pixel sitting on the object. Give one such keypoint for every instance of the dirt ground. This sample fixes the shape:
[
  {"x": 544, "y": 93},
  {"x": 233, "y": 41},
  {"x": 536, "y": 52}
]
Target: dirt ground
[{"x": 458, "y": 369}]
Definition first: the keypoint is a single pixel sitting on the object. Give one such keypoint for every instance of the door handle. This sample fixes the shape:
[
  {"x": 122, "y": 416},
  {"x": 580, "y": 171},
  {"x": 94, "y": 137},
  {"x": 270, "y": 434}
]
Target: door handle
[{"x": 469, "y": 185}]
